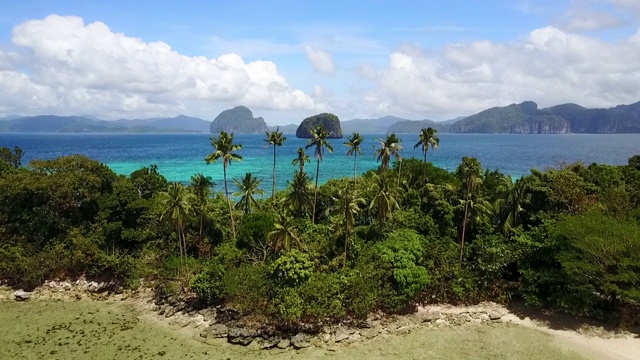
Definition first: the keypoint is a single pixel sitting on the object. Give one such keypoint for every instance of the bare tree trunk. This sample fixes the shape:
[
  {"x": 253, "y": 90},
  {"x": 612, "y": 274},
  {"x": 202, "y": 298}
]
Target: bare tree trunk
[
  {"x": 315, "y": 193},
  {"x": 179, "y": 233},
  {"x": 464, "y": 228},
  {"x": 273, "y": 190},
  {"x": 346, "y": 243},
  {"x": 226, "y": 191}
]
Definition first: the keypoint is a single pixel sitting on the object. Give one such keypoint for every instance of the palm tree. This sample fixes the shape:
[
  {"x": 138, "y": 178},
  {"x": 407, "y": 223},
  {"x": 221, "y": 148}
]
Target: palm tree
[
  {"x": 513, "y": 196},
  {"x": 247, "y": 188},
  {"x": 428, "y": 138},
  {"x": 202, "y": 188},
  {"x": 176, "y": 204},
  {"x": 383, "y": 201},
  {"x": 225, "y": 150},
  {"x": 298, "y": 196},
  {"x": 274, "y": 138},
  {"x": 347, "y": 204},
  {"x": 354, "y": 142},
  {"x": 389, "y": 147},
  {"x": 284, "y": 233},
  {"x": 470, "y": 173},
  {"x": 301, "y": 159},
  {"x": 320, "y": 143}
]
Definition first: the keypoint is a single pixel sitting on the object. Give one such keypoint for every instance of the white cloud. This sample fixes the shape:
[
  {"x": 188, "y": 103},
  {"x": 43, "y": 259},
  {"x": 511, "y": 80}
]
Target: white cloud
[
  {"x": 587, "y": 20},
  {"x": 75, "y": 68},
  {"x": 549, "y": 66},
  {"x": 321, "y": 60}
]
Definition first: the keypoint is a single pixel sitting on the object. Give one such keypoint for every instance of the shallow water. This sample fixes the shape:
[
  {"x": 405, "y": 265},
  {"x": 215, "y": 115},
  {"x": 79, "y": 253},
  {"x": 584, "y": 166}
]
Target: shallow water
[{"x": 179, "y": 156}]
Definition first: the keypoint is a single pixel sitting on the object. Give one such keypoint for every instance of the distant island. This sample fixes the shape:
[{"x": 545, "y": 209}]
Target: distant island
[
  {"x": 523, "y": 118},
  {"x": 238, "y": 120},
  {"x": 330, "y": 122},
  {"x": 526, "y": 118},
  {"x": 80, "y": 124}
]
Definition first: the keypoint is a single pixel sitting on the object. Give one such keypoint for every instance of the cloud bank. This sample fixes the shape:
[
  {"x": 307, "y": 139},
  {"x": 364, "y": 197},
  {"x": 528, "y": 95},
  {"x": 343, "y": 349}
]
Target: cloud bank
[{"x": 62, "y": 65}]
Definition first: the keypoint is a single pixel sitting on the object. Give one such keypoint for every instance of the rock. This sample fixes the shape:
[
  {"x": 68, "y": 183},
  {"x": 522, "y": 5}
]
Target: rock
[
  {"x": 163, "y": 309},
  {"x": 169, "y": 312},
  {"x": 369, "y": 333},
  {"x": 495, "y": 315},
  {"x": 238, "y": 120},
  {"x": 215, "y": 331},
  {"x": 342, "y": 335},
  {"x": 209, "y": 315},
  {"x": 300, "y": 341},
  {"x": 330, "y": 122},
  {"x": 269, "y": 343},
  {"x": 442, "y": 322},
  {"x": 428, "y": 316},
  {"x": 21, "y": 295},
  {"x": 255, "y": 345},
  {"x": 283, "y": 344},
  {"x": 154, "y": 308},
  {"x": 241, "y": 336}
]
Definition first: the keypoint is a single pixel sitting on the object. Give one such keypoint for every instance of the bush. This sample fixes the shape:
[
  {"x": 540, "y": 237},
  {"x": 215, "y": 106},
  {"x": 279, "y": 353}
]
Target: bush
[
  {"x": 291, "y": 270},
  {"x": 208, "y": 284}
]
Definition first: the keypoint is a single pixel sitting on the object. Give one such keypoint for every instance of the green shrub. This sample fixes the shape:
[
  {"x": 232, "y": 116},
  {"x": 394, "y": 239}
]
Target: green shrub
[
  {"x": 208, "y": 284},
  {"x": 291, "y": 270}
]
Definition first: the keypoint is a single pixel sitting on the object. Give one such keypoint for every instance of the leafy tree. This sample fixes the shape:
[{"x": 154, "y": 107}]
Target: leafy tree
[
  {"x": 247, "y": 188},
  {"x": 383, "y": 201},
  {"x": 513, "y": 197},
  {"x": 12, "y": 158},
  {"x": 428, "y": 138},
  {"x": 202, "y": 188},
  {"x": 176, "y": 204},
  {"x": 284, "y": 234},
  {"x": 225, "y": 149},
  {"x": 347, "y": 205},
  {"x": 470, "y": 174},
  {"x": 298, "y": 196},
  {"x": 354, "y": 143},
  {"x": 148, "y": 181},
  {"x": 274, "y": 138},
  {"x": 301, "y": 159},
  {"x": 319, "y": 143},
  {"x": 389, "y": 147}
]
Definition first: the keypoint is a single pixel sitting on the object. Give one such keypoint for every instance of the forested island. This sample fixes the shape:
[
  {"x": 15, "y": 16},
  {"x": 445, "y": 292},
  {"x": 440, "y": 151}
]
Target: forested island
[{"x": 407, "y": 233}]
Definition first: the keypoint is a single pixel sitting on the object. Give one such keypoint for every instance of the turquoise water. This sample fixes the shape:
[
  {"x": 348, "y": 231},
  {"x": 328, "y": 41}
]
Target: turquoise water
[{"x": 179, "y": 156}]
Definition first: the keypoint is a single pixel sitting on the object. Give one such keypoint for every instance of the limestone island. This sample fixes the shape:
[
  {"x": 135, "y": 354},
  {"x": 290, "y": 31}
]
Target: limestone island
[
  {"x": 238, "y": 120},
  {"x": 330, "y": 122}
]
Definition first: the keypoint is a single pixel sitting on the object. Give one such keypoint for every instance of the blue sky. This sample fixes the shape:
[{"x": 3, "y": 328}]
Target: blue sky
[{"x": 290, "y": 59}]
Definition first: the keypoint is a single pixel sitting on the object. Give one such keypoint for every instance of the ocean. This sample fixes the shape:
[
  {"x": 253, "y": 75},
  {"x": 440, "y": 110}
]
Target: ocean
[{"x": 179, "y": 156}]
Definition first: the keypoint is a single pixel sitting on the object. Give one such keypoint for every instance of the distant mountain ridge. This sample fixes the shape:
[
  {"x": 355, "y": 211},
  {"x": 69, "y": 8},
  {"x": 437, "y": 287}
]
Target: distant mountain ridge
[
  {"x": 81, "y": 124},
  {"x": 526, "y": 118}
]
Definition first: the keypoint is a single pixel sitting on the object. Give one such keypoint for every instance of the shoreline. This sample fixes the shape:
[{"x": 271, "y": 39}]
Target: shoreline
[{"x": 210, "y": 326}]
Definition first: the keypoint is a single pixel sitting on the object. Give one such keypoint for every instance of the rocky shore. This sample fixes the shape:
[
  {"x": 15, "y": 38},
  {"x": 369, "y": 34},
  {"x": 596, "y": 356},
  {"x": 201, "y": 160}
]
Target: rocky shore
[{"x": 219, "y": 324}]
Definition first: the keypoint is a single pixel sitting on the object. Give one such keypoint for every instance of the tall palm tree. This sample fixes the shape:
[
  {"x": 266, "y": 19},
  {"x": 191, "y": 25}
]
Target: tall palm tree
[
  {"x": 470, "y": 173},
  {"x": 428, "y": 138},
  {"x": 202, "y": 187},
  {"x": 225, "y": 149},
  {"x": 298, "y": 196},
  {"x": 284, "y": 233},
  {"x": 347, "y": 204},
  {"x": 176, "y": 203},
  {"x": 512, "y": 197},
  {"x": 389, "y": 147},
  {"x": 301, "y": 159},
  {"x": 247, "y": 188},
  {"x": 319, "y": 143},
  {"x": 354, "y": 142},
  {"x": 383, "y": 201},
  {"x": 274, "y": 138}
]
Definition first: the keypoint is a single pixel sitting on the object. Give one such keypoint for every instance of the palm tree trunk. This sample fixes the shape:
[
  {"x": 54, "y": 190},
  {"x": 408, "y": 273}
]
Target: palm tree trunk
[
  {"x": 315, "y": 193},
  {"x": 424, "y": 167},
  {"x": 226, "y": 191},
  {"x": 273, "y": 190},
  {"x": 355, "y": 168},
  {"x": 346, "y": 243},
  {"x": 179, "y": 233},
  {"x": 464, "y": 228},
  {"x": 201, "y": 224},
  {"x": 399, "y": 171}
]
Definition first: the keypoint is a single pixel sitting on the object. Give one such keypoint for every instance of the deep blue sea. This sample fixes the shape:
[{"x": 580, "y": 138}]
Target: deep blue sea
[{"x": 179, "y": 156}]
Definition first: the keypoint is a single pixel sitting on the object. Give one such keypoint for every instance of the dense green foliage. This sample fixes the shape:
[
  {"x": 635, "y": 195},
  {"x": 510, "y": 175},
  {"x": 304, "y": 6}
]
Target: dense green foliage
[{"x": 406, "y": 233}]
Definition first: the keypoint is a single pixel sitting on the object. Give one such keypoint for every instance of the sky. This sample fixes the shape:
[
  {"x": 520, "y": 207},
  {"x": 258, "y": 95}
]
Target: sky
[{"x": 287, "y": 60}]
